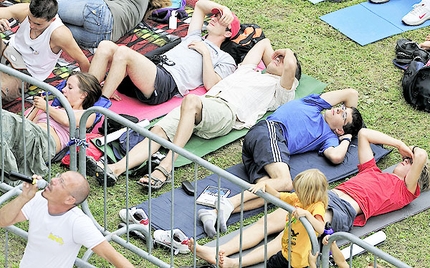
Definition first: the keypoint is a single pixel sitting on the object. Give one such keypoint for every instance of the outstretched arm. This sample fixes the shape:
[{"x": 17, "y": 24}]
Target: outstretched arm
[
  {"x": 106, "y": 251},
  {"x": 62, "y": 38}
]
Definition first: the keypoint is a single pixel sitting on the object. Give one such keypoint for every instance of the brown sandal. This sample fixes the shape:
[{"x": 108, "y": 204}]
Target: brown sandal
[{"x": 156, "y": 183}]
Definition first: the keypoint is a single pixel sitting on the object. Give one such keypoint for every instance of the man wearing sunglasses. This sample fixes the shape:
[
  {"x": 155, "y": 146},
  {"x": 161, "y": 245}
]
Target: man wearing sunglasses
[
  {"x": 57, "y": 227},
  {"x": 196, "y": 61},
  {"x": 312, "y": 123}
]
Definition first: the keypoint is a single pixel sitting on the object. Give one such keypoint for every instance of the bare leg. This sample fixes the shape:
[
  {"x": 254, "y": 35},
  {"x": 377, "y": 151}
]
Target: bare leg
[
  {"x": 102, "y": 59},
  {"x": 139, "y": 68},
  {"x": 255, "y": 256},
  {"x": 191, "y": 115},
  {"x": 251, "y": 237},
  {"x": 203, "y": 252}
]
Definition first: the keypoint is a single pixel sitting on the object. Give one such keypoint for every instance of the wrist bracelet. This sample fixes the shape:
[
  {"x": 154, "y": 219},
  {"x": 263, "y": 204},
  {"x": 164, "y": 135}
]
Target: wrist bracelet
[
  {"x": 413, "y": 149},
  {"x": 346, "y": 139}
]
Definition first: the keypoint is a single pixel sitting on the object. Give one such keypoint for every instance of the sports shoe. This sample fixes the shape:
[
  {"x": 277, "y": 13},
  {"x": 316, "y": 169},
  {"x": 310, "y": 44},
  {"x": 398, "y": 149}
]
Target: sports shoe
[
  {"x": 418, "y": 15},
  {"x": 136, "y": 215},
  {"x": 180, "y": 240},
  {"x": 378, "y": 1}
]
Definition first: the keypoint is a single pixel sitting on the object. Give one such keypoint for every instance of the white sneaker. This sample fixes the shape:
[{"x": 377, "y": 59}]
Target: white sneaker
[
  {"x": 136, "y": 215},
  {"x": 180, "y": 240},
  {"x": 418, "y": 15}
]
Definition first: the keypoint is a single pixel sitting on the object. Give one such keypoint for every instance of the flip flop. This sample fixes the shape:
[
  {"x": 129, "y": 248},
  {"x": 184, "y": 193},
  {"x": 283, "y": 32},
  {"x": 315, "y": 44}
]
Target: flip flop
[
  {"x": 95, "y": 170},
  {"x": 156, "y": 183}
]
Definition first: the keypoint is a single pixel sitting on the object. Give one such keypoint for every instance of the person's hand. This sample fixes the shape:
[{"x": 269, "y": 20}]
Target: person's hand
[
  {"x": 199, "y": 46},
  {"x": 30, "y": 189},
  {"x": 115, "y": 97},
  {"x": 300, "y": 212},
  {"x": 258, "y": 186},
  {"x": 325, "y": 240},
  {"x": 4, "y": 24},
  {"x": 347, "y": 136},
  {"x": 405, "y": 151},
  {"x": 39, "y": 103},
  {"x": 312, "y": 259},
  {"x": 227, "y": 17},
  {"x": 425, "y": 45}
]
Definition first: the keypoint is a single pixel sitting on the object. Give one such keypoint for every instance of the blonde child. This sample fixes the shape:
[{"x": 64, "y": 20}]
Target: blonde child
[{"x": 310, "y": 199}]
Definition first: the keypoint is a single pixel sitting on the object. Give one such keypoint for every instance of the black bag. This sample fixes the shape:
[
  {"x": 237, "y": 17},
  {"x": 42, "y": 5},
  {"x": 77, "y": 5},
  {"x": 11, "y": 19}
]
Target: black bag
[
  {"x": 407, "y": 50},
  {"x": 416, "y": 85},
  {"x": 113, "y": 126},
  {"x": 238, "y": 47}
]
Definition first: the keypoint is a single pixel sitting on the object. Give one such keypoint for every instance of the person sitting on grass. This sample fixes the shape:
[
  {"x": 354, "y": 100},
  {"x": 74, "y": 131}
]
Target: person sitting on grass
[
  {"x": 312, "y": 123},
  {"x": 194, "y": 62},
  {"x": 236, "y": 102},
  {"x": 370, "y": 193},
  {"x": 57, "y": 227}
]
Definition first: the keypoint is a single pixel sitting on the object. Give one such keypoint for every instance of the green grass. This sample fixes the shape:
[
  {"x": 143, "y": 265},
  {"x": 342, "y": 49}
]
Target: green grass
[{"x": 332, "y": 58}]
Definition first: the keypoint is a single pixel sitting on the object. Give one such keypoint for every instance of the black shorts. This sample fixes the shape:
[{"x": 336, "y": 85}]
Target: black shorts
[
  {"x": 263, "y": 144},
  {"x": 164, "y": 88},
  {"x": 277, "y": 261},
  {"x": 342, "y": 211}
]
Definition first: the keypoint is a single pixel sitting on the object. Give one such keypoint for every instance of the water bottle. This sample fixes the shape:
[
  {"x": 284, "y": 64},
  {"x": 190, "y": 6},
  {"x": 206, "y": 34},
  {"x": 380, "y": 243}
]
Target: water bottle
[
  {"x": 173, "y": 23},
  {"x": 327, "y": 231}
]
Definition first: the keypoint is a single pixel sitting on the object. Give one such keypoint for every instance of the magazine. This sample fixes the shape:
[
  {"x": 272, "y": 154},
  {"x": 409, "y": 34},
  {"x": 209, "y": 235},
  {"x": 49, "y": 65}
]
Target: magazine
[{"x": 210, "y": 195}]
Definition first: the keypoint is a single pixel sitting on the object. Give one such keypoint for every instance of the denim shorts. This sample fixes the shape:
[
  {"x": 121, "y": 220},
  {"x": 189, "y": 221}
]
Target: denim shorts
[{"x": 90, "y": 21}]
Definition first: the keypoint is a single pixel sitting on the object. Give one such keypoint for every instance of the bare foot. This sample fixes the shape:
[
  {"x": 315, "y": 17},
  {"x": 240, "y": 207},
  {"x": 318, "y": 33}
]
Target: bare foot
[
  {"x": 204, "y": 252},
  {"x": 226, "y": 262}
]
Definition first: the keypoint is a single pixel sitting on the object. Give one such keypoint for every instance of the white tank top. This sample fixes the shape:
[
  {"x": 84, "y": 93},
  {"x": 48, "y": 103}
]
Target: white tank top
[{"x": 36, "y": 53}]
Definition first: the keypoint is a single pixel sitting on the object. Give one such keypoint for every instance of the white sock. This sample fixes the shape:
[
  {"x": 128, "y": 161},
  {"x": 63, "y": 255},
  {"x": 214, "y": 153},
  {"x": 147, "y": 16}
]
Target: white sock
[
  {"x": 226, "y": 208},
  {"x": 208, "y": 218}
]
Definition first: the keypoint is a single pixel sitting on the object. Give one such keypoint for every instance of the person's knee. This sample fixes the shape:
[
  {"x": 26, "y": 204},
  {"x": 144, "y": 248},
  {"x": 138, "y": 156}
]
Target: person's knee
[
  {"x": 191, "y": 102},
  {"x": 159, "y": 131},
  {"x": 107, "y": 48}
]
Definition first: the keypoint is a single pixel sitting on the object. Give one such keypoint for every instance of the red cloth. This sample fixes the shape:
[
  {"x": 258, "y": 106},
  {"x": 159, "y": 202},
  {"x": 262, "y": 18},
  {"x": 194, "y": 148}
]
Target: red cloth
[
  {"x": 92, "y": 150},
  {"x": 376, "y": 192}
]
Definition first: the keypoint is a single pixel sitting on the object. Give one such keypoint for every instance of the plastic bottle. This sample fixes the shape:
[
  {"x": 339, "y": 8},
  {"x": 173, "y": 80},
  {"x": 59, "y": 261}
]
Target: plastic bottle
[
  {"x": 173, "y": 23},
  {"x": 327, "y": 231}
]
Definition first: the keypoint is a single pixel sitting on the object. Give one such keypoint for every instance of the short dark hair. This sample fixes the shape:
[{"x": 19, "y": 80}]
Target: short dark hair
[
  {"x": 44, "y": 9},
  {"x": 298, "y": 73},
  {"x": 356, "y": 124},
  {"x": 88, "y": 83}
]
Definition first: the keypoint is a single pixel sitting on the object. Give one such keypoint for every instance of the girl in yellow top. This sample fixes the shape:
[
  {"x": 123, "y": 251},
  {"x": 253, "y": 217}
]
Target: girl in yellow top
[{"x": 310, "y": 199}]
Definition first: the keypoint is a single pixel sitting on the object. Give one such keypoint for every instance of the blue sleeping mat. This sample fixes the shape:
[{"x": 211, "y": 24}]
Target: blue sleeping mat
[
  {"x": 183, "y": 208},
  {"x": 366, "y": 23}
]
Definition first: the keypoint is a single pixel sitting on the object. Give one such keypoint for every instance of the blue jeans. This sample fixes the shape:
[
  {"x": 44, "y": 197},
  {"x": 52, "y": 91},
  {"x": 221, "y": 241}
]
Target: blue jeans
[{"x": 90, "y": 21}]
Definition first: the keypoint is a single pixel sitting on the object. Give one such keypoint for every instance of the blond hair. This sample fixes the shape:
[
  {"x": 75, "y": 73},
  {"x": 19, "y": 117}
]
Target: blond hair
[
  {"x": 311, "y": 186},
  {"x": 424, "y": 180}
]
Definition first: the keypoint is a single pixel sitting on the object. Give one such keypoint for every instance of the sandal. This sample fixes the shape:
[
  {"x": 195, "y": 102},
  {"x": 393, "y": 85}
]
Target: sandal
[
  {"x": 156, "y": 183},
  {"x": 95, "y": 170}
]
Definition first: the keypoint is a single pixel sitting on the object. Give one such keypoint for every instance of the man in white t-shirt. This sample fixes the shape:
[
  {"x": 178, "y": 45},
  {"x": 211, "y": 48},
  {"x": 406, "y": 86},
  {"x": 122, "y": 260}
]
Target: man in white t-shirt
[
  {"x": 57, "y": 227},
  {"x": 39, "y": 41},
  {"x": 194, "y": 62},
  {"x": 235, "y": 102}
]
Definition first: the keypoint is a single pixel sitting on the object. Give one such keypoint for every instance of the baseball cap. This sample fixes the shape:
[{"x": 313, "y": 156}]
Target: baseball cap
[{"x": 234, "y": 25}]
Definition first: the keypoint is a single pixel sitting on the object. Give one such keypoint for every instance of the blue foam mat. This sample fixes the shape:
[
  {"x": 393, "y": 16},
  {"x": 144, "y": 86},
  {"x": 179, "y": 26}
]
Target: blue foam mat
[
  {"x": 366, "y": 23},
  {"x": 184, "y": 218}
]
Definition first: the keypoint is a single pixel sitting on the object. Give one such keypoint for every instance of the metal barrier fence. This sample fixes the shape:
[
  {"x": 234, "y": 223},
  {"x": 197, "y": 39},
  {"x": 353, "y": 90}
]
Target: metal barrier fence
[{"x": 116, "y": 235}]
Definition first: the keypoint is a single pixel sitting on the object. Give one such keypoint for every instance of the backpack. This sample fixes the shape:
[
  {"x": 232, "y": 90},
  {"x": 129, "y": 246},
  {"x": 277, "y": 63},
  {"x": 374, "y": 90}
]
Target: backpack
[
  {"x": 247, "y": 37},
  {"x": 416, "y": 85},
  {"x": 407, "y": 50},
  {"x": 162, "y": 15}
]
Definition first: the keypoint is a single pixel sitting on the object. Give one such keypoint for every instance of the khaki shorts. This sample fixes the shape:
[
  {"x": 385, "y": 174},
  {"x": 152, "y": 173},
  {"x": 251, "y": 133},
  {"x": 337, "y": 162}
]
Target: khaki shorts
[{"x": 218, "y": 119}]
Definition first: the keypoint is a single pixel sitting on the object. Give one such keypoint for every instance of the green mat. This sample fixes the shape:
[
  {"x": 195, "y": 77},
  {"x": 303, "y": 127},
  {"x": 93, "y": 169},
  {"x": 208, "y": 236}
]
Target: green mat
[{"x": 201, "y": 147}]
